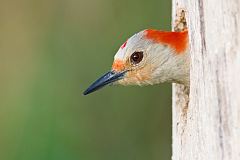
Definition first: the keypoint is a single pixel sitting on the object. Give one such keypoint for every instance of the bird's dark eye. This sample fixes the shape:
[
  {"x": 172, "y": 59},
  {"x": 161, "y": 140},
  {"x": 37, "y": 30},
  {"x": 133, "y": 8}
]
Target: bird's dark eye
[{"x": 136, "y": 57}]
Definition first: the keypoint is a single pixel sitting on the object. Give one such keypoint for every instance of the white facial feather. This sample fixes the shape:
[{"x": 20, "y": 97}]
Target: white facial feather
[
  {"x": 136, "y": 42},
  {"x": 169, "y": 66}
]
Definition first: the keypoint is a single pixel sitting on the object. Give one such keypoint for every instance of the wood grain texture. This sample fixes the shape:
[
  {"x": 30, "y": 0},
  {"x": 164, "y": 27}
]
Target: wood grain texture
[{"x": 208, "y": 127}]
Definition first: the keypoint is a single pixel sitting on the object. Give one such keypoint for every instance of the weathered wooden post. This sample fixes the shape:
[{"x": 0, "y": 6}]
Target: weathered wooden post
[{"x": 206, "y": 121}]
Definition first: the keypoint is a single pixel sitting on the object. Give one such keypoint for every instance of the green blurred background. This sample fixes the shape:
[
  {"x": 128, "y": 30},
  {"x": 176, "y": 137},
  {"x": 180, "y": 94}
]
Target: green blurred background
[{"x": 50, "y": 51}]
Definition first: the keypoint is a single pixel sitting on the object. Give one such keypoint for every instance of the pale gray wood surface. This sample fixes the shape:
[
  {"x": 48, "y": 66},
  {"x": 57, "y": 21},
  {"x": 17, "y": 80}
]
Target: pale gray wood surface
[{"x": 208, "y": 126}]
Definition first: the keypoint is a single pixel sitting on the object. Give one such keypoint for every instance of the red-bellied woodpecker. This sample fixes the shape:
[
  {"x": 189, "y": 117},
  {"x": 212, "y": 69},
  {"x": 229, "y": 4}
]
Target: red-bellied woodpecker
[{"x": 149, "y": 57}]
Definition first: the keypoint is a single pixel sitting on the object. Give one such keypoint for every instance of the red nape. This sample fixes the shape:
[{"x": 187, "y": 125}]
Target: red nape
[
  {"x": 177, "y": 40},
  {"x": 124, "y": 45}
]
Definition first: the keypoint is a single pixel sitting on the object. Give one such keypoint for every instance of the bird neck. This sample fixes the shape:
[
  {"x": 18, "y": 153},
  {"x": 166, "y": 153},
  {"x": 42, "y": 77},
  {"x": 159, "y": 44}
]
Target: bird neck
[{"x": 171, "y": 67}]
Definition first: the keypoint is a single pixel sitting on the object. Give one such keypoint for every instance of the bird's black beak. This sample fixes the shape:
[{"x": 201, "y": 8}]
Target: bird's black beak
[{"x": 106, "y": 79}]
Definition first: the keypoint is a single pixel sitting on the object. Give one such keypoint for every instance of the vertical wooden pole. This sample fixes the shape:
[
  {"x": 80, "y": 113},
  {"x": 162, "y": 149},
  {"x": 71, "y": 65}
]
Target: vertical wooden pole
[{"x": 206, "y": 124}]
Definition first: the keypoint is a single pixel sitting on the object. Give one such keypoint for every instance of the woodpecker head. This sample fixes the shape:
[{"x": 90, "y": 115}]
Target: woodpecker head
[{"x": 149, "y": 57}]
